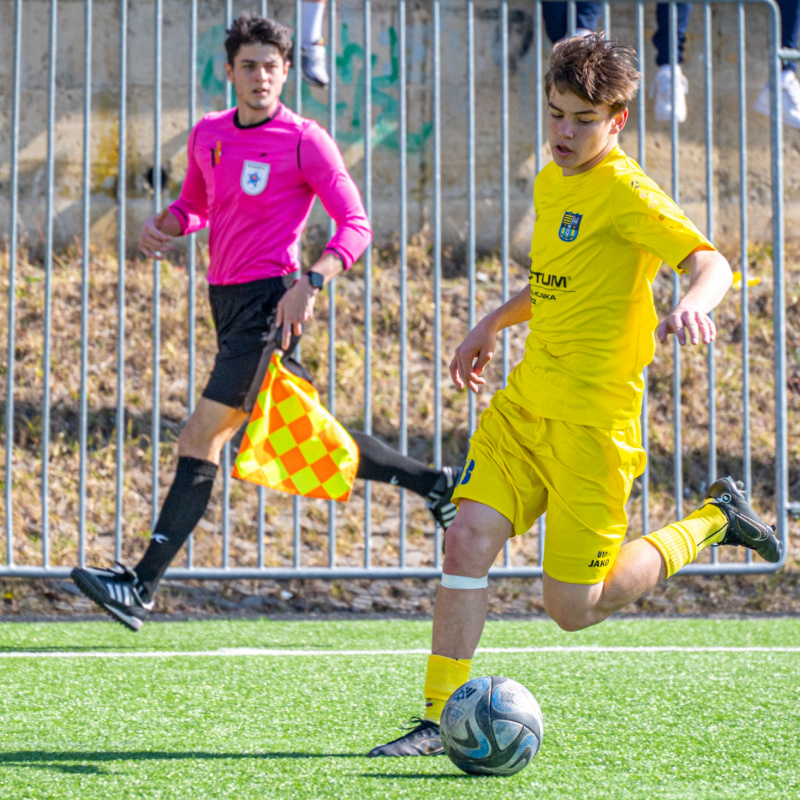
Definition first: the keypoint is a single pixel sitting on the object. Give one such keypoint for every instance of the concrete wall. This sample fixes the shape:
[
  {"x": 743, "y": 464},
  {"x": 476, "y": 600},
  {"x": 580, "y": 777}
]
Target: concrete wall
[{"x": 349, "y": 117}]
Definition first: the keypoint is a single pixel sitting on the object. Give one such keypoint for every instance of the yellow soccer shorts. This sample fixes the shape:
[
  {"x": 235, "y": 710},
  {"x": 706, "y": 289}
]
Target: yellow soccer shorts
[{"x": 522, "y": 465}]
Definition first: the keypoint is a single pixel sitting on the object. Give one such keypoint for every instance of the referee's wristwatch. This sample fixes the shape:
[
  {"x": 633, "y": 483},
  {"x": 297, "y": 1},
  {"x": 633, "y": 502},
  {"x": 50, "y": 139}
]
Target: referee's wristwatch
[{"x": 315, "y": 279}]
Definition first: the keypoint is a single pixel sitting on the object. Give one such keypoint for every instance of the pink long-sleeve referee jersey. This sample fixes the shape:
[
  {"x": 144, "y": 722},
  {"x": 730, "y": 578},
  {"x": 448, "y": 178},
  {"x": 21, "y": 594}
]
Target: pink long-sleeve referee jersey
[{"x": 255, "y": 187}]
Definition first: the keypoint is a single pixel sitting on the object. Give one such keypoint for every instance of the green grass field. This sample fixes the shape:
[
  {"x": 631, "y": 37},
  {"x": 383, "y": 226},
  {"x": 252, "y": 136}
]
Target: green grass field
[{"x": 245, "y": 709}]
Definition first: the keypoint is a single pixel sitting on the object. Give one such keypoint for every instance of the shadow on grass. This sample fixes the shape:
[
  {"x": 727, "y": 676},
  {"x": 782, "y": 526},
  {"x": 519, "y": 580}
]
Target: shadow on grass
[
  {"x": 50, "y": 759},
  {"x": 436, "y": 776},
  {"x": 73, "y": 649},
  {"x": 65, "y": 761}
]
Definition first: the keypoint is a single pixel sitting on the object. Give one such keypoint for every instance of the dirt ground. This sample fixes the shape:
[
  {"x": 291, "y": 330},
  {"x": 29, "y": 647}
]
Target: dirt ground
[{"x": 777, "y": 594}]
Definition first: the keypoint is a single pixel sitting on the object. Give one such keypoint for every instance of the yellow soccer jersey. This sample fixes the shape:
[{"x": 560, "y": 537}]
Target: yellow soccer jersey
[{"x": 598, "y": 241}]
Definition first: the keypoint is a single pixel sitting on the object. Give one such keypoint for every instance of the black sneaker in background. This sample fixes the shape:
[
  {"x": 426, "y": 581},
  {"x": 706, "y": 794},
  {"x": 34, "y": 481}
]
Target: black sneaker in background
[
  {"x": 422, "y": 740},
  {"x": 745, "y": 527},
  {"x": 438, "y": 502},
  {"x": 116, "y": 591}
]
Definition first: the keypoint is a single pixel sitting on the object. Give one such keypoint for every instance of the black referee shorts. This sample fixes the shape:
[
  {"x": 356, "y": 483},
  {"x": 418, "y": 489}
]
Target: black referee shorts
[{"x": 244, "y": 318}]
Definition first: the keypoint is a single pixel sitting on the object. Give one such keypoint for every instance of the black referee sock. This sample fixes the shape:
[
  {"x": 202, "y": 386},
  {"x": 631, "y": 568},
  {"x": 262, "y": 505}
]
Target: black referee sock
[
  {"x": 378, "y": 462},
  {"x": 183, "y": 508}
]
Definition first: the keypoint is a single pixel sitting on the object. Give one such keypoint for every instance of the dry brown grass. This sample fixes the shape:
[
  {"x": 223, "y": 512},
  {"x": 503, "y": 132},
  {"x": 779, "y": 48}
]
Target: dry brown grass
[{"x": 64, "y": 450}]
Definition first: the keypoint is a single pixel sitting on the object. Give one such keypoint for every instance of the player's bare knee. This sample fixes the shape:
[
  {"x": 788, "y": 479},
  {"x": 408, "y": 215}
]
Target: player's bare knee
[
  {"x": 570, "y": 619},
  {"x": 467, "y": 552}
]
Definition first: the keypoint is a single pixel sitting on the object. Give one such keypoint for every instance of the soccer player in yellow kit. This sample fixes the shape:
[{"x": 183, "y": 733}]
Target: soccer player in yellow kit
[{"x": 564, "y": 435}]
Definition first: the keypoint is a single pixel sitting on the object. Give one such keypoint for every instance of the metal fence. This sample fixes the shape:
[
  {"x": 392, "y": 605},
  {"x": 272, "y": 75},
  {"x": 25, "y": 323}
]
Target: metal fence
[{"x": 502, "y": 14}]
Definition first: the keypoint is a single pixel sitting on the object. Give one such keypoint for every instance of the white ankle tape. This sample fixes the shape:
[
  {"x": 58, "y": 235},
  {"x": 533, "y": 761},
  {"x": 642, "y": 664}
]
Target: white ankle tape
[{"x": 462, "y": 582}]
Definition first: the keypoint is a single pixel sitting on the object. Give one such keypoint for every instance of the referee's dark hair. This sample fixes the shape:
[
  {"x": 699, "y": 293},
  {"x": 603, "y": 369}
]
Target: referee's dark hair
[
  {"x": 598, "y": 70},
  {"x": 249, "y": 28}
]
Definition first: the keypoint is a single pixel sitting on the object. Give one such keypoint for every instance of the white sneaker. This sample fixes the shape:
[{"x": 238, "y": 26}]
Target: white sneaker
[
  {"x": 790, "y": 99},
  {"x": 312, "y": 59},
  {"x": 661, "y": 90}
]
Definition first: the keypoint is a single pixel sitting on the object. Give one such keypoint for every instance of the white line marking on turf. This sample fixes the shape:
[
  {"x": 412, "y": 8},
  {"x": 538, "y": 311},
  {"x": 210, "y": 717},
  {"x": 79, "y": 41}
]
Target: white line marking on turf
[{"x": 228, "y": 652}]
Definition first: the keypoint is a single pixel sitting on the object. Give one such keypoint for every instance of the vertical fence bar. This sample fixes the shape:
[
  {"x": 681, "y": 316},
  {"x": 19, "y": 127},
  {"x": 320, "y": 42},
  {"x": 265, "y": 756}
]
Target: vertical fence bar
[
  {"x": 368, "y": 268},
  {"x": 297, "y": 57},
  {"x": 779, "y": 289},
  {"x": 298, "y": 107},
  {"x": 226, "y": 523},
  {"x": 743, "y": 232},
  {"x": 539, "y": 102},
  {"x": 156, "y": 414},
  {"x": 192, "y": 268},
  {"x": 607, "y": 17},
  {"x": 676, "y": 286},
  {"x": 403, "y": 179},
  {"x": 122, "y": 177},
  {"x": 504, "y": 224},
  {"x": 437, "y": 261},
  {"x": 230, "y": 95},
  {"x": 332, "y": 283},
  {"x": 261, "y": 532},
  {"x": 471, "y": 180},
  {"x": 538, "y": 99},
  {"x": 572, "y": 11},
  {"x": 709, "y": 118},
  {"x": 12, "y": 282},
  {"x": 261, "y": 490},
  {"x": 262, "y": 495},
  {"x": 640, "y": 127},
  {"x": 48, "y": 283},
  {"x": 296, "y": 543},
  {"x": 226, "y": 450},
  {"x": 85, "y": 244}
]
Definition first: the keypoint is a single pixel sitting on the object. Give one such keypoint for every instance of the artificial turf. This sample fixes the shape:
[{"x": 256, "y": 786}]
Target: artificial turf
[{"x": 686, "y": 722}]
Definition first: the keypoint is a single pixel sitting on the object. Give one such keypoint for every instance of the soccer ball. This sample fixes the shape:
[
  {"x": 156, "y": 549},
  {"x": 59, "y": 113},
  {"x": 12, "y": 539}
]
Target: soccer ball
[{"x": 491, "y": 726}]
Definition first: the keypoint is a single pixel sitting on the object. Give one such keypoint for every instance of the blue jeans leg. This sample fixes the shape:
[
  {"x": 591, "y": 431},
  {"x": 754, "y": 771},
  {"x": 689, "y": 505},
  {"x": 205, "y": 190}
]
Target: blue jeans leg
[
  {"x": 790, "y": 28},
  {"x": 555, "y": 18},
  {"x": 661, "y": 36}
]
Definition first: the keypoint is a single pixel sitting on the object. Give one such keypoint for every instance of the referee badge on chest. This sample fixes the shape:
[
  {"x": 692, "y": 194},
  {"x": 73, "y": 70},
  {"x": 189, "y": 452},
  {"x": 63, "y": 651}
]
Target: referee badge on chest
[
  {"x": 568, "y": 231},
  {"x": 254, "y": 177}
]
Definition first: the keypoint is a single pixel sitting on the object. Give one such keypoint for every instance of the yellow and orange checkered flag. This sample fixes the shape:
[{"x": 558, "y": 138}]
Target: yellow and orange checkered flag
[{"x": 293, "y": 444}]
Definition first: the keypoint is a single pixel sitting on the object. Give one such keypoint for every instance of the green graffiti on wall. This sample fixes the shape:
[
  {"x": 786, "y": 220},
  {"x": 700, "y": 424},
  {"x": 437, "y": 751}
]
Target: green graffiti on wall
[{"x": 350, "y": 72}]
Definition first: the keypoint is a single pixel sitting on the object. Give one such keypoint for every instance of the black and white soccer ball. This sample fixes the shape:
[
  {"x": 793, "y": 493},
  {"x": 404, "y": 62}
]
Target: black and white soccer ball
[{"x": 491, "y": 726}]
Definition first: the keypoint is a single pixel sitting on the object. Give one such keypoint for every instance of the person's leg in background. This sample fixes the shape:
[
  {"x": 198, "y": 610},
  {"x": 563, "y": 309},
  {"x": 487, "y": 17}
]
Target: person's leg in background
[
  {"x": 312, "y": 53},
  {"x": 381, "y": 463},
  {"x": 661, "y": 88},
  {"x": 790, "y": 86},
  {"x": 555, "y": 19}
]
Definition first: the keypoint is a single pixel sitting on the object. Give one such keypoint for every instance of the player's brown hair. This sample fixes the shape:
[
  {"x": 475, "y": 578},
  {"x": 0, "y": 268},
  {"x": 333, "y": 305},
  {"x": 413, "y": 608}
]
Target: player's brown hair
[
  {"x": 251, "y": 29},
  {"x": 598, "y": 70}
]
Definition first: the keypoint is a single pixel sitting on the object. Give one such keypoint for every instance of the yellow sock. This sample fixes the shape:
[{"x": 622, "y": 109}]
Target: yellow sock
[
  {"x": 680, "y": 542},
  {"x": 443, "y": 677}
]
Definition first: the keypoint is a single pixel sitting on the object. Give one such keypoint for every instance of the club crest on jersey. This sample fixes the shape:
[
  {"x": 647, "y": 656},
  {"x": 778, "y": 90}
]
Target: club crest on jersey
[
  {"x": 568, "y": 231},
  {"x": 254, "y": 177}
]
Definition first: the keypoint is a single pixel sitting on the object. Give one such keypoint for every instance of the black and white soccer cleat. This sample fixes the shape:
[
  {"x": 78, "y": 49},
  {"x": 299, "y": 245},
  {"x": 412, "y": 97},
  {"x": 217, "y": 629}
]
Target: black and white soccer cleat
[
  {"x": 439, "y": 499},
  {"x": 745, "y": 527},
  {"x": 422, "y": 740},
  {"x": 116, "y": 591}
]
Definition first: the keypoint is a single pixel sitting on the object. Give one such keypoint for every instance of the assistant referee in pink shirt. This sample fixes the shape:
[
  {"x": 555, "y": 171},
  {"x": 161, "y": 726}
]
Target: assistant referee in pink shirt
[{"x": 253, "y": 173}]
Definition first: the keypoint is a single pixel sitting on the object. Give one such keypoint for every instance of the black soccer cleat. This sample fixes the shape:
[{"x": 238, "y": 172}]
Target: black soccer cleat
[
  {"x": 116, "y": 591},
  {"x": 422, "y": 740},
  {"x": 745, "y": 527},
  {"x": 439, "y": 499}
]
